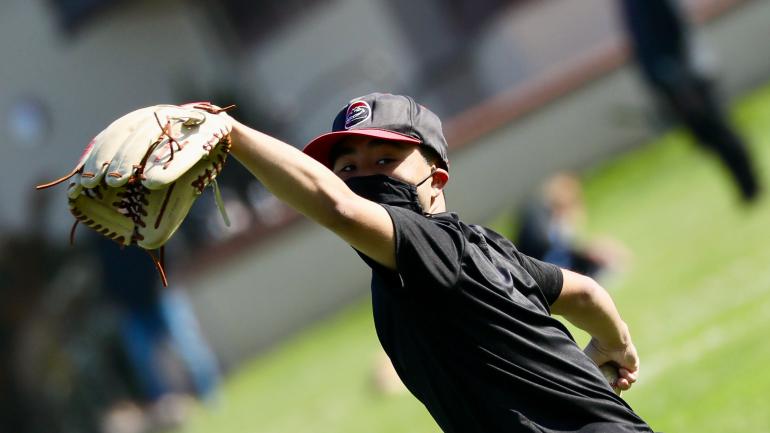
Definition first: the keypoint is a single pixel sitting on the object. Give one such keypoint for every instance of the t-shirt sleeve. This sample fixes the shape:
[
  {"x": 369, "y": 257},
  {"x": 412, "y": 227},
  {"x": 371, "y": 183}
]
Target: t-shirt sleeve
[
  {"x": 547, "y": 276},
  {"x": 428, "y": 250}
]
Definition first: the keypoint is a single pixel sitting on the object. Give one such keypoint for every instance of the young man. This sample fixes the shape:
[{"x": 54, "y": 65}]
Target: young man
[{"x": 464, "y": 317}]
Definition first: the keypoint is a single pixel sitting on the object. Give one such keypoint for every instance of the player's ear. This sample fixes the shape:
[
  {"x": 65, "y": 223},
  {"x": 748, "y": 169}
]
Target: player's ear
[{"x": 439, "y": 179}]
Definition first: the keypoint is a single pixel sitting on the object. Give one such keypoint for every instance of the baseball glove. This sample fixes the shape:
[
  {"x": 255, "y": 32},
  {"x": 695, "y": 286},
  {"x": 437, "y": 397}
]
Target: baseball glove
[{"x": 137, "y": 179}]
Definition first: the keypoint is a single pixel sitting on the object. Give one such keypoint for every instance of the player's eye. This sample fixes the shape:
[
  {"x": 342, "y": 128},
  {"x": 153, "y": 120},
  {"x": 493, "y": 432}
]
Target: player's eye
[
  {"x": 385, "y": 161},
  {"x": 347, "y": 168}
]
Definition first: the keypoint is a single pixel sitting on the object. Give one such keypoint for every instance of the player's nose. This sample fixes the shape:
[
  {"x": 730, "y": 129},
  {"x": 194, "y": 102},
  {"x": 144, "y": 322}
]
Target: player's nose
[{"x": 369, "y": 169}]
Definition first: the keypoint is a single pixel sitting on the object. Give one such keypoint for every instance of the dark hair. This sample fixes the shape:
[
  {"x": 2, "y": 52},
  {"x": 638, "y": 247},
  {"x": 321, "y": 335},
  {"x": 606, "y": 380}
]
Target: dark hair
[{"x": 431, "y": 156}]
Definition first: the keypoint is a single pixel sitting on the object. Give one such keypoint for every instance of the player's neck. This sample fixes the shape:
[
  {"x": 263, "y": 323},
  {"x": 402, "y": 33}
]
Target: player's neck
[{"x": 438, "y": 205}]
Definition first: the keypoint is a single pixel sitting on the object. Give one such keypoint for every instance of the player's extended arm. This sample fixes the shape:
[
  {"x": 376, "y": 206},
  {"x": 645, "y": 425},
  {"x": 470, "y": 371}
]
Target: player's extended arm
[
  {"x": 589, "y": 307},
  {"x": 315, "y": 191}
]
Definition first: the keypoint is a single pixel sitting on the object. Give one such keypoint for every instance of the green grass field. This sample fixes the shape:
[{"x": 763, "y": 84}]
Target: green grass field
[{"x": 697, "y": 299}]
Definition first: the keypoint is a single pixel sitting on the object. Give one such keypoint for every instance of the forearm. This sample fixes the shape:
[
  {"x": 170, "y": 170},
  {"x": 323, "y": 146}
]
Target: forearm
[
  {"x": 585, "y": 304},
  {"x": 589, "y": 307},
  {"x": 293, "y": 177}
]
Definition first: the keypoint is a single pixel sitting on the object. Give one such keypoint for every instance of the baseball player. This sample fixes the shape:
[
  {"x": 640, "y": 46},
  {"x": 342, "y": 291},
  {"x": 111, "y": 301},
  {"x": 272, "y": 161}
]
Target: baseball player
[{"x": 464, "y": 317}]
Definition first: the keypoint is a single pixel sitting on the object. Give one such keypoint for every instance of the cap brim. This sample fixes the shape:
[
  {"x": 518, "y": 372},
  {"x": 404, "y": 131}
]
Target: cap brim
[{"x": 320, "y": 147}]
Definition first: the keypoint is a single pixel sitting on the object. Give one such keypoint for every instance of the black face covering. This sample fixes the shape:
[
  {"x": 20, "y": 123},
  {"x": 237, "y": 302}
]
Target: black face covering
[{"x": 383, "y": 189}]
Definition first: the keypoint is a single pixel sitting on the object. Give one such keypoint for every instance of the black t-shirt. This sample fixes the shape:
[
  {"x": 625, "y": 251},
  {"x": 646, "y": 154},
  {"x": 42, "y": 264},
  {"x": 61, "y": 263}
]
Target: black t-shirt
[{"x": 466, "y": 322}]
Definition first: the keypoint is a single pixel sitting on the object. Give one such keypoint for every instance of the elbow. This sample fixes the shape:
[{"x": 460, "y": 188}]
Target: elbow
[{"x": 585, "y": 294}]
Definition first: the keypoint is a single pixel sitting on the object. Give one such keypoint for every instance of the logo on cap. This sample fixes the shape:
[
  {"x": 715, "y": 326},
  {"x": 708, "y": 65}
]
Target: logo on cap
[{"x": 357, "y": 112}]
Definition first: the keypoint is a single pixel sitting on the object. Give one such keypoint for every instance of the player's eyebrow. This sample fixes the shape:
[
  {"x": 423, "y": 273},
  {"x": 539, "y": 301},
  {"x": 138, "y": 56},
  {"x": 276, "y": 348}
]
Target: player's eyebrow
[{"x": 339, "y": 150}]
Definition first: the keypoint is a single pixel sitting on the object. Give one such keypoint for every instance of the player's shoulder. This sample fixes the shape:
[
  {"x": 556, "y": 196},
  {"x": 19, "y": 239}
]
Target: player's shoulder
[
  {"x": 442, "y": 218},
  {"x": 441, "y": 227}
]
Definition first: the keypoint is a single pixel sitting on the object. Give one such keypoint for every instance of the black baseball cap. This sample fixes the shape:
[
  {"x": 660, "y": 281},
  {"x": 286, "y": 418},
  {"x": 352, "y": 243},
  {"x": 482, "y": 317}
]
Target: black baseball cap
[{"x": 386, "y": 117}]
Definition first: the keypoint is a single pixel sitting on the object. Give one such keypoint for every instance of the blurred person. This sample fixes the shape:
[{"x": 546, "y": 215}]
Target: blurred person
[
  {"x": 154, "y": 319},
  {"x": 51, "y": 361},
  {"x": 660, "y": 39},
  {"x": 464, "y": 316},
  {"x": 27, "y": 261},
  {"x": 385, "y": 377},
  {"x": 65, "y": 357},
  {"x": 548, "y": 226},
  {"x": 21, "y": 285}
]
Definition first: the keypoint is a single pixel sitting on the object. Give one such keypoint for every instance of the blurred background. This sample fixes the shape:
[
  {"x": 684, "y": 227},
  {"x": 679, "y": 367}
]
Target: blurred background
[{"x": 604, "y": 135}]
